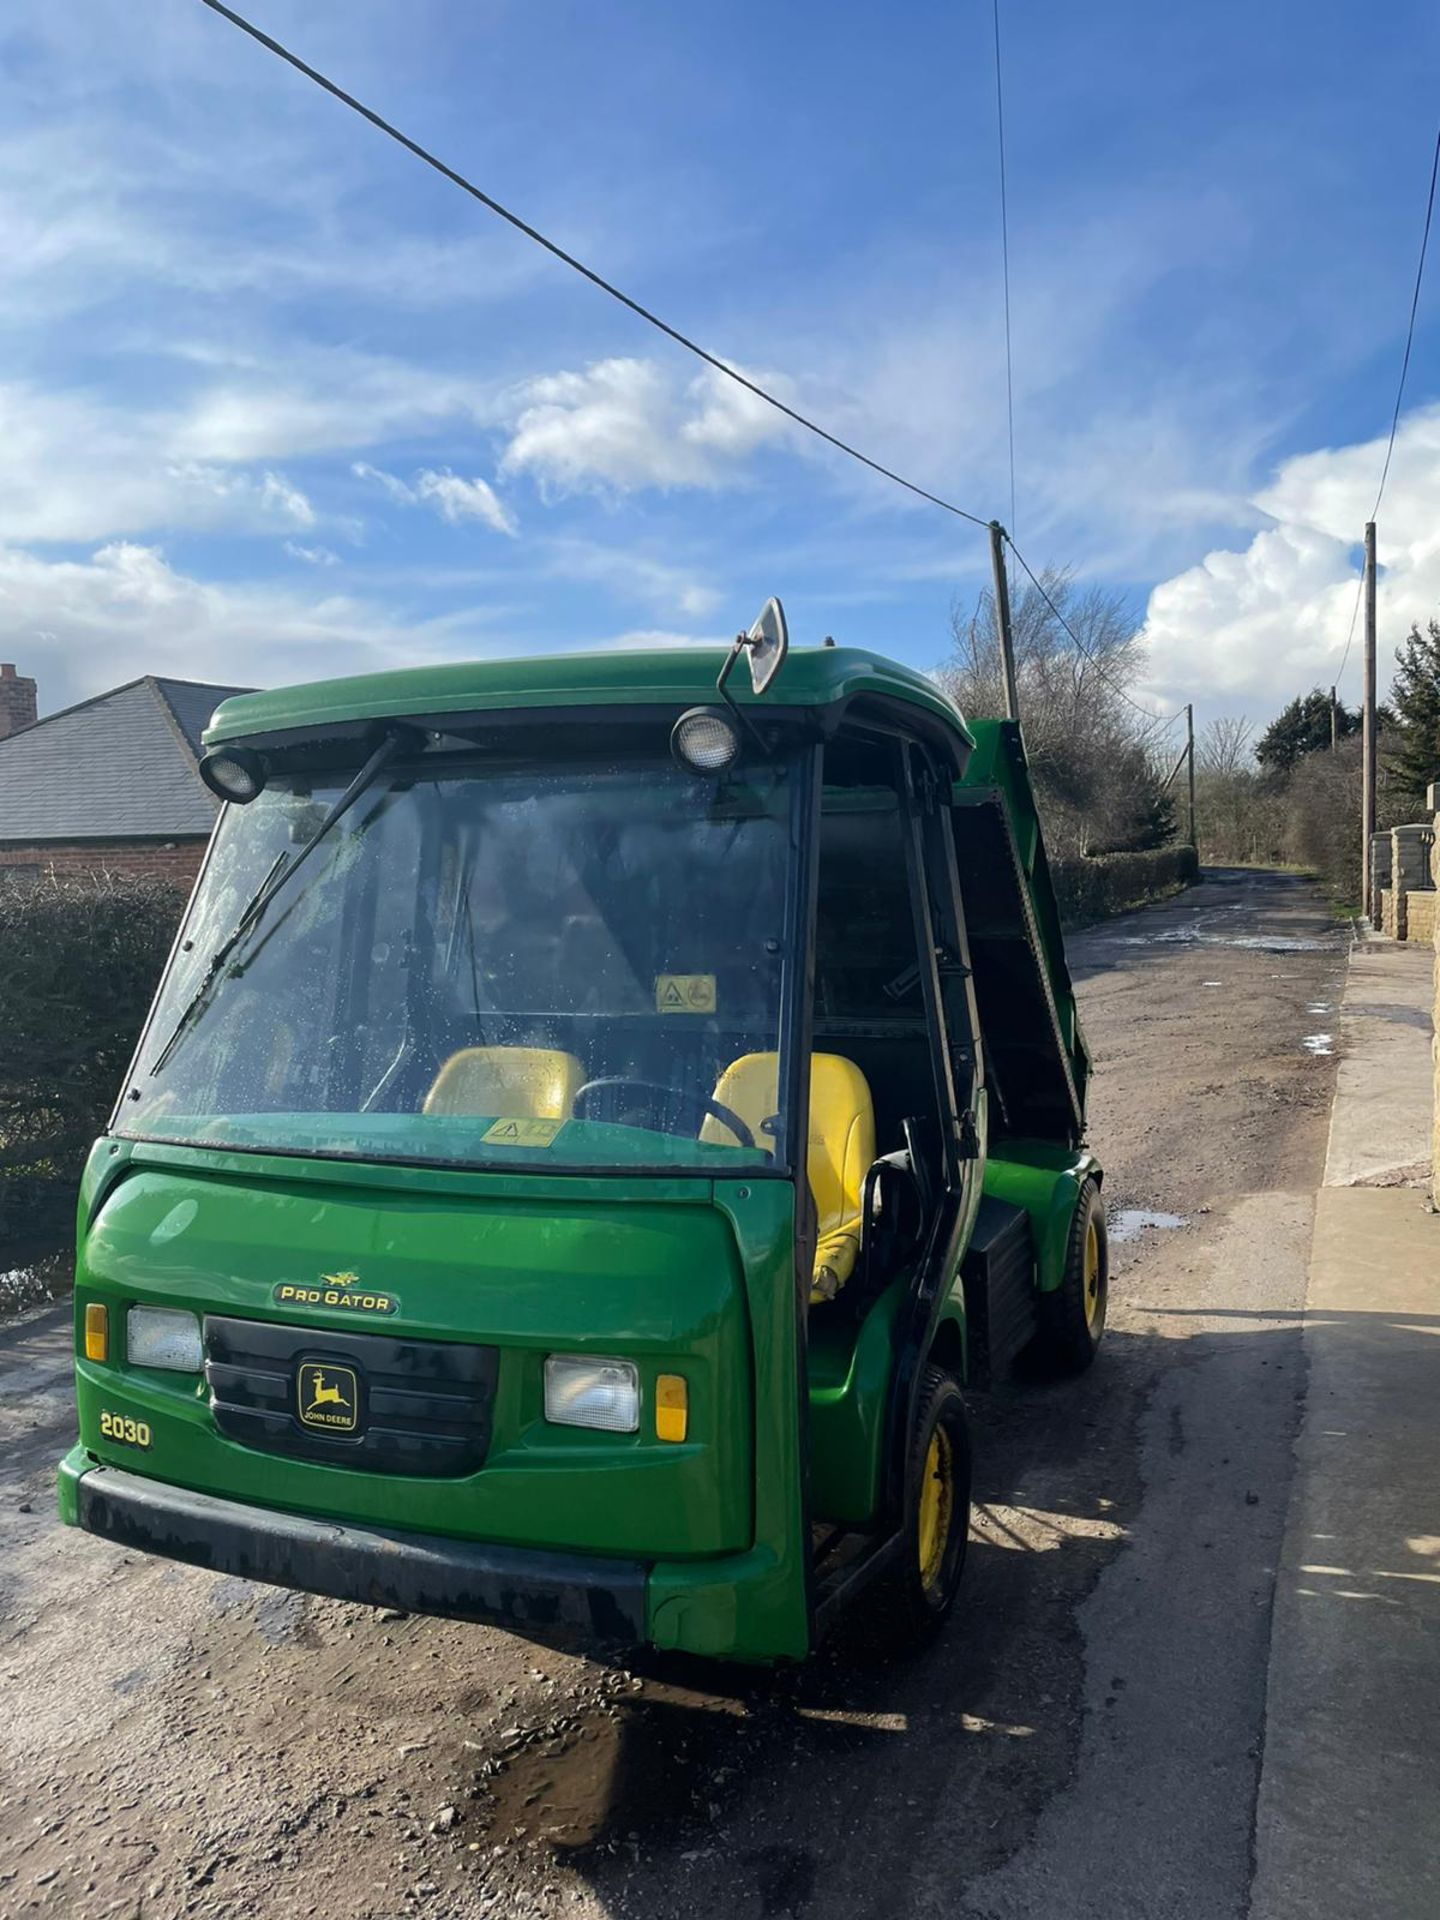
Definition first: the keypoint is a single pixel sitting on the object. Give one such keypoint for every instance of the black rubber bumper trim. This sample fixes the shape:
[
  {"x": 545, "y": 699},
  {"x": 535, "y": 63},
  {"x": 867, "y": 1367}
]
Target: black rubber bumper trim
[{"x": 541, "y": 1594}]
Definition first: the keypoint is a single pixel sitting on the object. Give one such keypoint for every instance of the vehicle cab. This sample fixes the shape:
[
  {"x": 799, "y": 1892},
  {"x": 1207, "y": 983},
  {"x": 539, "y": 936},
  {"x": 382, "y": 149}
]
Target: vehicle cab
[{"x": 568, "y": 1172}]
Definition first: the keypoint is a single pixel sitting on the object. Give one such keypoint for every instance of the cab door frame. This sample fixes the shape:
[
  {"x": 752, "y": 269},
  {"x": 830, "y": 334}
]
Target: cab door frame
[{"x": 948, "y": 990}]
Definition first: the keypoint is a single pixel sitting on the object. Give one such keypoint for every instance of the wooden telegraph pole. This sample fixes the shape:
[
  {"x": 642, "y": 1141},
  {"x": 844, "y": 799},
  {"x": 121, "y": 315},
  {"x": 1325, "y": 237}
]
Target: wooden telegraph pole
[
  {"x": 1334, "y": 721},
  {"x": 1368, "y": 905},
  {"x": 1190, "y": 767},
  {"x": 1002, "y": 619}
]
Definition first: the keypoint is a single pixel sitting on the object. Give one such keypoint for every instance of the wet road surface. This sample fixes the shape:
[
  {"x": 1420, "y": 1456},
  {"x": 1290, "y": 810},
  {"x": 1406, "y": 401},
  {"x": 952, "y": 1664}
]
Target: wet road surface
[{"x": 1084, "y": 1739}]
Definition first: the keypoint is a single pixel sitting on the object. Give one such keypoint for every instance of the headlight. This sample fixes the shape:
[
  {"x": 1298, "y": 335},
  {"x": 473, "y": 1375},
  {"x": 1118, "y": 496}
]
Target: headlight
[
  {"x": 704, "y": 740},
  {"x": 163, "y": 1337},
  {"x": 592, "y": 1393},
  {"x": 234, "y": 773}
]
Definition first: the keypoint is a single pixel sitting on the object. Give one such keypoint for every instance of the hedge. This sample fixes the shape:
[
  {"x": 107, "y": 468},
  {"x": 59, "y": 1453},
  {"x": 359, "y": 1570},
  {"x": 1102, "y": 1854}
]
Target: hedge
[
  {"x": 79, "y": 958},
  {"x": 1108, "y": 883}
]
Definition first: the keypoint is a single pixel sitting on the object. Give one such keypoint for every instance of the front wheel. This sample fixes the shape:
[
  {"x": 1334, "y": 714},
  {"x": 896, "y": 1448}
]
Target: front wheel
[
  {"x": 1072, "y": 1318},
  {"x": 922, "y": 1589}
]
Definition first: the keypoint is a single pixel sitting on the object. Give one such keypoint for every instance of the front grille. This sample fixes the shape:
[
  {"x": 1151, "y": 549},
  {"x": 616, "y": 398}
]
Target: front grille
[{"x": 421, "y": 1406}]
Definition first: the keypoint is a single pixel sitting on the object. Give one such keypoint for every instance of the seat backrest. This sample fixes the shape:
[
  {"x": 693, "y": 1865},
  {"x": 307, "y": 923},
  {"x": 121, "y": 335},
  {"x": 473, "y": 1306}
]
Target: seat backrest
[
  {"x": 842, "y": 1126},
  {"x": 518, "y": 1083}
]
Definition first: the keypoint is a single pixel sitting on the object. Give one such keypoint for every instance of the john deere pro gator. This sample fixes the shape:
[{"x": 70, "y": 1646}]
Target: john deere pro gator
[{"x": 600, "y": 1117}]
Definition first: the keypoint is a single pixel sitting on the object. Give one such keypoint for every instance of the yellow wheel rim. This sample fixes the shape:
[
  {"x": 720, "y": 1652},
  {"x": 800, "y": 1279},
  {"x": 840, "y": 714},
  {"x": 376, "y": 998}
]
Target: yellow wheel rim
[
  {"x": 1094, "y": 1280},
  {"x": 937, "y": 1503}
]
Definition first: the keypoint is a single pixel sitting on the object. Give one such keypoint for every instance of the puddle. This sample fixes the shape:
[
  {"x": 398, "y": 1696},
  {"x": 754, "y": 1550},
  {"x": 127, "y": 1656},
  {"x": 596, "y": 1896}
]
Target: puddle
[
  {"x": 558, "y": 1791},
  {"x": 1273, "y": 943},
  {"x": 595, "y": 1779},
  {"x": 1320, "y": 1006},
  {"x": 1318, "y": 1043},
  {"x": 1249, "y": 942},
  {"x": 1212, "y": 983},
  {"x": 1131, "y": 1222},
  {"x": 45, "y": 1279}
]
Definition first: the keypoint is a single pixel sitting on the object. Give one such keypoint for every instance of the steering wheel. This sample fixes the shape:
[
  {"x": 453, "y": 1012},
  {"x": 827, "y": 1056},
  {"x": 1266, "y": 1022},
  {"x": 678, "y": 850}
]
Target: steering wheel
[{"x": 700, "y": 1106}]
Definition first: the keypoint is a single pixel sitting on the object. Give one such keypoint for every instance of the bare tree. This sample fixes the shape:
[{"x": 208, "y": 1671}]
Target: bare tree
[
  {"x": 1088, "y": 747},
  {"x": 1224, "y": 747},
  {"x": 1238, "y": 817}
]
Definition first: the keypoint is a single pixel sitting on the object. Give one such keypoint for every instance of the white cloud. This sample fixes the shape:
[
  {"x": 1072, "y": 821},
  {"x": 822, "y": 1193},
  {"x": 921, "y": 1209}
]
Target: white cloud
[
  {"x": 289, "y": 502},
  {"x": 312, "y": 556},
  {"x": 1272, "y": 620},
  {"x": 259, "y": 409},
  {"x": 454, "y": 498},
  {"x": 81, "y": 625},
  {"x": 73, "y": 467},
  {"x": 458, "y": 499},
  {"x": 668, "y": 588},
  {"x": 626, "y": 424}
]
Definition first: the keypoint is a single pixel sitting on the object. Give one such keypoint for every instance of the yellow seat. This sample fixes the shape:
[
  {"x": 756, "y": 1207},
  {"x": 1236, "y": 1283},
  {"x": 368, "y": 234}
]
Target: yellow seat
[
  {"x": 841, "y": 1150},
  {"x": 518, "y": 1083}
]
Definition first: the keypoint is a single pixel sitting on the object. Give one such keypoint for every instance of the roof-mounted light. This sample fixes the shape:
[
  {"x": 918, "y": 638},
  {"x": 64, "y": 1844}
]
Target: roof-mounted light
[
  {"x": 705, "y": 740},
  {"x": 236, "y": 774}
]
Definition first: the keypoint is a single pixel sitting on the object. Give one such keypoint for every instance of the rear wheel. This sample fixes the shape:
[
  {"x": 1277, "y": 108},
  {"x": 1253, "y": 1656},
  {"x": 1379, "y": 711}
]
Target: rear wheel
[
  {"x": 1072, "y": 1318},
  {"x": 921, "y": 1591}
]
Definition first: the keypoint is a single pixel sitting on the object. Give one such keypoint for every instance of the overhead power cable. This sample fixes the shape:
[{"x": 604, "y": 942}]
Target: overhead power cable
[
  {"x": 1005, "y": 258},
  {"x": 1354, "y": 616},
  {"x": 1400, "y": 388},
  {"x": 1162, "y": 720},
  {"x": 578, "y": 266},
  {"x": 1410, "y": 329}
]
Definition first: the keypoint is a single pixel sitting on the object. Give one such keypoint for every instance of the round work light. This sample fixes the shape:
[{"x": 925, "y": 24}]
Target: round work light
[
  {"x": 234, "y": 773},
  {"x": 704, "y": 740}
]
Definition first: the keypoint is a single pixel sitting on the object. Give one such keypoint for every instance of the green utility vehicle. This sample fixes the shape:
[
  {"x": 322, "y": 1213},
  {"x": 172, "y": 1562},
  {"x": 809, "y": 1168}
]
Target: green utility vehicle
[{"x": 594, "y": 1124}]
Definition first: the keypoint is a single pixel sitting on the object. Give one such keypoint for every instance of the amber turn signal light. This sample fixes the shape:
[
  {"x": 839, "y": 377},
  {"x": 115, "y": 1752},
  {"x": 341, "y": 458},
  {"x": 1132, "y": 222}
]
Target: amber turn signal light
[
  {"x": 97, "y": 1331},
  {"x": 672, "y": 1407}
]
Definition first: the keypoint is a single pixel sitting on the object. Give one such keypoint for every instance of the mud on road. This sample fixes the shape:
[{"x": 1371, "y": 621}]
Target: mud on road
[{"x": 1084, "y": 1739}]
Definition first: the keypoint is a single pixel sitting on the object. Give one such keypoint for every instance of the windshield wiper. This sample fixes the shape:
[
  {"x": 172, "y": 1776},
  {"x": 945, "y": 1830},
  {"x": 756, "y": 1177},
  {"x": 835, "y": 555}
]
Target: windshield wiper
[{"x": 259, "y": 901}]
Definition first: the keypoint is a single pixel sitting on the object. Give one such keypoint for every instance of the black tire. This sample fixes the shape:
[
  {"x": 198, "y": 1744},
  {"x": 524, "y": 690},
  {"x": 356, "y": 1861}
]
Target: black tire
[
  {"x": 1072, "y": 1318},
  {"x": 918, "y": 1595}
]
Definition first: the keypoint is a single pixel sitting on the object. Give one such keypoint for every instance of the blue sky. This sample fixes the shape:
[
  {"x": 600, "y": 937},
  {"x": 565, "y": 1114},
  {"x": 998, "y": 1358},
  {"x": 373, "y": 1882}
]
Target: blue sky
[{"x": 276, "y": 402}]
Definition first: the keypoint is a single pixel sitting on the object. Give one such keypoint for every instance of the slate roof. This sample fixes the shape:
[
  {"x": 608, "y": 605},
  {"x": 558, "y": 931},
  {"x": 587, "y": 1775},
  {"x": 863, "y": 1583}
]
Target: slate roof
[{"x": 120, "y": 766}]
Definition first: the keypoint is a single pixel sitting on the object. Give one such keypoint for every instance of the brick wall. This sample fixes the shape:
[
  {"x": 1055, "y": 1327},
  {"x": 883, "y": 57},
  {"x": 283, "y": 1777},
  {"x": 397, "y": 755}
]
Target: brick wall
[{"x": 177, "y": 861}]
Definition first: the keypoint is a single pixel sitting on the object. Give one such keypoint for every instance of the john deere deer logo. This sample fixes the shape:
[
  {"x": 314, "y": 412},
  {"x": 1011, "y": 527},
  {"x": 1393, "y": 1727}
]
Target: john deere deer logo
[{"x": 328, "y": 1396}]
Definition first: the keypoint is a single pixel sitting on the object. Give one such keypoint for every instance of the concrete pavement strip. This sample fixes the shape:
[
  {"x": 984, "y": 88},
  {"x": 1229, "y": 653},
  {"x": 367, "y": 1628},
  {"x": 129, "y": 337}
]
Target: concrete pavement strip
[{"x": 1348, "y": 1817}]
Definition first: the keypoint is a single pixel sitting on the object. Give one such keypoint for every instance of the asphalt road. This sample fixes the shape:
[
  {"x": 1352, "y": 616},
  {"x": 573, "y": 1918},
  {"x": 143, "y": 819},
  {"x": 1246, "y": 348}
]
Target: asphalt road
[{"x": 1084, "y": 1739}]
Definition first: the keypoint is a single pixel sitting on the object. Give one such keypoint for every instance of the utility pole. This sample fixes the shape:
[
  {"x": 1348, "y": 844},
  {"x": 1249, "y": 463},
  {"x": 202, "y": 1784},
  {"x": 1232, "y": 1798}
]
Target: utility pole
[
  {"x": 1368, "y": 906},
  {"x": 1334, "y": 721},
  {"x": 1002, "y": 619},
  {"x": 1190, "y": 764}
]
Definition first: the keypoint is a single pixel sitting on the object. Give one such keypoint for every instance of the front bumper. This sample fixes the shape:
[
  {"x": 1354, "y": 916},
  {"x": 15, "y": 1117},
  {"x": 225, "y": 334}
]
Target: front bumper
[{"x": 551, "y": 1597}]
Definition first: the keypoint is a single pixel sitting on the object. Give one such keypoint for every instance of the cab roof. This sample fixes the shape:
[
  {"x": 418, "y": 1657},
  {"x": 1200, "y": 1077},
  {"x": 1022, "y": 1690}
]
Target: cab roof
[{"x": 654, "y": 676}]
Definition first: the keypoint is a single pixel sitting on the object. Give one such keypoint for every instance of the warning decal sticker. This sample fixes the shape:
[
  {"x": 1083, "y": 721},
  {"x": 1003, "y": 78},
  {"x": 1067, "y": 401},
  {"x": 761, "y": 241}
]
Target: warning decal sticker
[
  {"x": 521, "y": 1133},
  {"x": 685, "y": 993}
]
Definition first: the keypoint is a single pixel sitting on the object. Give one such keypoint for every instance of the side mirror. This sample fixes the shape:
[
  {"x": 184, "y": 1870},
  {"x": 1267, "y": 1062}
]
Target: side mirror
[{"x": 767, "y": 644}]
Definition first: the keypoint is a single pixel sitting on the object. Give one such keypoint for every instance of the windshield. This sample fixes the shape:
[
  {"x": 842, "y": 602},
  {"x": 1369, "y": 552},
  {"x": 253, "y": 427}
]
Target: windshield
[{"x": 481, "y": 968}]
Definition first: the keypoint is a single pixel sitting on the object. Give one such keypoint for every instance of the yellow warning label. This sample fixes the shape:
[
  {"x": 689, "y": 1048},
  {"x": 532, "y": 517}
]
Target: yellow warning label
[
  {"x": 521, "y": 1133},
  {"x": 685, "y": 993}
]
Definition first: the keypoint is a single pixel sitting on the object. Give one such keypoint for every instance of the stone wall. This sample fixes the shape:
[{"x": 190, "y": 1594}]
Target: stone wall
[
  {"x": 1402, "y": 866},
  {"x": 1420, "y": 917}
]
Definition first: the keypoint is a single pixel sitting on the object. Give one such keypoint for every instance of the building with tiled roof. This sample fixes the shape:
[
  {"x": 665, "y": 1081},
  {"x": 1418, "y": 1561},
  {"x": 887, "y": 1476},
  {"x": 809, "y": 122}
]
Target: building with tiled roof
[{"x": 111, "y": 785}]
